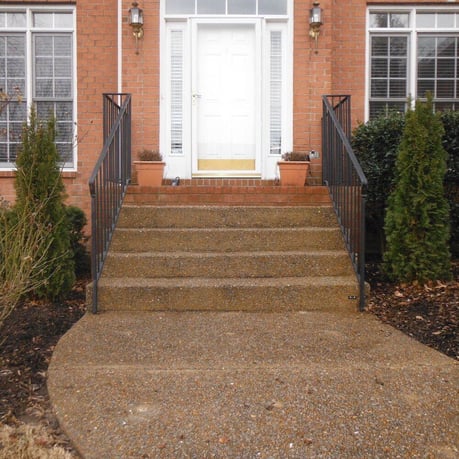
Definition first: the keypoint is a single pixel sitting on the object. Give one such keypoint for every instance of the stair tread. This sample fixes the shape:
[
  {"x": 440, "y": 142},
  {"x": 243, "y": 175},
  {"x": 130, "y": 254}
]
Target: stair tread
[
  {"x": 230, "y": 229},
  {"x": 178, "y": 254},
  {"x": 233, "y": 282}
]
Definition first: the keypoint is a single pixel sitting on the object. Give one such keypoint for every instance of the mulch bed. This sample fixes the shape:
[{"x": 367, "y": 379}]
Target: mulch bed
[{"x": 429, "y": 314}]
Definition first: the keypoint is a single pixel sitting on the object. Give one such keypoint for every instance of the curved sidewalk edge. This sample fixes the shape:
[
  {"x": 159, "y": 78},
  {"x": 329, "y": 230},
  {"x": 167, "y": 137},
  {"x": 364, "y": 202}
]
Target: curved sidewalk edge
[{"x": 250, "y": 385}]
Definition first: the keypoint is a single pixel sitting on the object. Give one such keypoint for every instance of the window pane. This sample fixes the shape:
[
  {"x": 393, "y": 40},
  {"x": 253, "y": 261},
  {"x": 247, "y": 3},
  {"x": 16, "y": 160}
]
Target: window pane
[
  {"x": 445, "y": 89},
  {"x": 2, "y": 19},
  {"x": 426, "y": 68},
  {"x": 15, "y": 45},
  {"x": 44, "y": 67},
  {"x": 272, "y": 6},
  {"x": 379, "y": 88},
  {"x": 63, "y": 67},
  {"x": 398, "y": 46},
  {"x": 445, "y": 20},
  {"x": 424, "y": 86},
  {"x": 43, "y": 20},
  {"x": 397, "y": 88},
  {"x": 275, "y": 90},
  {"x": 398, "y": 68},
  {"x": 242, "y": 6},
  {"x": 180, "y": 7},
  {"x": 63, "y": 20},
  {"x": 380, "y": 46},
  {"x": 446, "y": 47},
  {"x": 378, "y": 20},
  {"x": 426, "y": 46},
  {"x": 63, "y": 46},
  {"x": 445, "y": 68},
  {"x": 211, "y": 6},
  {"x": 16, "y": 19},
  {"x": 379, "y": 68},
  {"x": 425, "y": 20},
  {"x": 43, "y": 45},
  {"x": 176, "y": 82},
  {"x": 399, "y": 20},
  {"x": 63, "y": 88}
]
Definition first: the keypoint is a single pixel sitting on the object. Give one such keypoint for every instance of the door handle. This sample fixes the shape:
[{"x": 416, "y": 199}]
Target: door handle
[{"x": 195, "y": 97}]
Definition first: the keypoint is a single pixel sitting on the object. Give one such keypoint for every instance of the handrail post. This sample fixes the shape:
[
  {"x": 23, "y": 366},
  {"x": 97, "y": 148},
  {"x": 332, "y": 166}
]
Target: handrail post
[
  {"x": 109, "y": 181},
  {"x": 345, "y": 180}
]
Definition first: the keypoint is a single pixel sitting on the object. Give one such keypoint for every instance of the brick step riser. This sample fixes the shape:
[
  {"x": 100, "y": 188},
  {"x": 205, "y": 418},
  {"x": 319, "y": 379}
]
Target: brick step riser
[
  {"x": 233, "y": 217},
  {"x": 227, "y": 240},
  {"x": 229, "y": 298},
  {"x": 230, "y": 266}
]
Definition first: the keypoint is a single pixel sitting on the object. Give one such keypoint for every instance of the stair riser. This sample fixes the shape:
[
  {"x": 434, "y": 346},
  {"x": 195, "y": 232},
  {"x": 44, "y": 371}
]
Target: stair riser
[
  {"x": 230, "y": 298},
  {"x": 217, "y": 217},
  {"x": 230, "y": 266},
  {"x": 225, "y": 240},
  {"x": 229, "y": 200}
]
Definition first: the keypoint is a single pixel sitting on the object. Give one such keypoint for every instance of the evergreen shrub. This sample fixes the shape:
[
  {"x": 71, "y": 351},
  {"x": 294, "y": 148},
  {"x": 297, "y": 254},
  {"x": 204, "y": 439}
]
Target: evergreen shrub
[
  {"x": 39, "y": 187},
  {"x": 417, "y": 217}
]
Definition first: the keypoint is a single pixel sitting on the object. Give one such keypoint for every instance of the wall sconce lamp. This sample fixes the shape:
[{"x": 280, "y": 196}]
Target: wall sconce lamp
[
  {"x": 136, "y": 22},
  {"x": 315, "y": 21}
]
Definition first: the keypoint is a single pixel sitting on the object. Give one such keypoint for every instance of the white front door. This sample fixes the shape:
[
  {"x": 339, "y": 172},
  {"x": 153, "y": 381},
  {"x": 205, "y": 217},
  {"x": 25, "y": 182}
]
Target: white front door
[{"x": 226, "y": 112}]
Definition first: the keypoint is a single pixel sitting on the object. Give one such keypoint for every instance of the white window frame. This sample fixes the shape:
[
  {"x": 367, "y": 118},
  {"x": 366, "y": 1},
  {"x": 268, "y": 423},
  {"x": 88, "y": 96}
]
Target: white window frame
[
  {"x": 412, "y": 32},
  {"x": 29, "y": 30}
]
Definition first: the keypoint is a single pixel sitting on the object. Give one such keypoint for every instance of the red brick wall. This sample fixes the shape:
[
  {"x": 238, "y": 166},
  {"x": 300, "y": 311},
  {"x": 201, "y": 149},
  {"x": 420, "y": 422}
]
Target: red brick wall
[
  {"x": 338, "y": 66},
  {"x": 96, "y": 74},
  {"x": 141, "y": 77}
]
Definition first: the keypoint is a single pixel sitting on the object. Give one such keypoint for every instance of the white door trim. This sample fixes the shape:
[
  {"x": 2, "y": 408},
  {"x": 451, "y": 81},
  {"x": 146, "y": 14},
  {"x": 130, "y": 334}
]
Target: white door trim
[{"x": 183, "y": 165}]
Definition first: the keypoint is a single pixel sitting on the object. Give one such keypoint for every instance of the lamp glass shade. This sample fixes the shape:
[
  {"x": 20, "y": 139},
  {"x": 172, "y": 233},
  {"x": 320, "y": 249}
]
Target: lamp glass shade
[
  {"x": 316, "y": 15},
  {"x": 135, "y": 16}
]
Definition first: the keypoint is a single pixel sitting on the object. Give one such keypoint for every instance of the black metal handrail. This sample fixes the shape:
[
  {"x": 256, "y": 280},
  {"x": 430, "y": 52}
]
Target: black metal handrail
[
  {"x": 345, "y": 180},
  {"x": 109, "y": 180}
]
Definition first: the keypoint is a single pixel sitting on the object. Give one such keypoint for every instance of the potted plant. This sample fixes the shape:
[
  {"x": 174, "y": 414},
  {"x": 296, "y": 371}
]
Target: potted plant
[
  {"x": 149, "y": 168},
  {"x": 294, "y": 168}
]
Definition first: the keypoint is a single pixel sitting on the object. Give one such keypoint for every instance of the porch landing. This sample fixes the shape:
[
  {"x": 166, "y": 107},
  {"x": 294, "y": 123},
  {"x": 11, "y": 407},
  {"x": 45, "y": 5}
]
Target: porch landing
[{"x": 251, "y": 385}]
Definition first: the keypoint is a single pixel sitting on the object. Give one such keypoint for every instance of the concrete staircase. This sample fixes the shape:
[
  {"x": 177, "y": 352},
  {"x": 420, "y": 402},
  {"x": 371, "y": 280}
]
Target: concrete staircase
[{"x": 228, "y": 248}]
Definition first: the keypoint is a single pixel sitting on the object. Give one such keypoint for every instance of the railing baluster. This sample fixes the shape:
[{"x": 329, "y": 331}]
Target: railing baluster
[
  {"x": 109, "y": 180},
  {"x": 346, "y": 181}
]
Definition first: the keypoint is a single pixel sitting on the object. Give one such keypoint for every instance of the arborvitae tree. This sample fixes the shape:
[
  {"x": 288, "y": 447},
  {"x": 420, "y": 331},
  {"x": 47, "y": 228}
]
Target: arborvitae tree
[
  {"x": 417, "y": 218},
  {"x": 39, "y": 187}
]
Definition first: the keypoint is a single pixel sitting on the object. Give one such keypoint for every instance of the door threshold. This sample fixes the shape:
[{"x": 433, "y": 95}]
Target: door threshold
[{"x": 226, "y": 175}]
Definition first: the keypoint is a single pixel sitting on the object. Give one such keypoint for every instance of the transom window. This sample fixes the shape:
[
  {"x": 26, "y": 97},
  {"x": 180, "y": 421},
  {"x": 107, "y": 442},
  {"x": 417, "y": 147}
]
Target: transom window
[
  {"x": 242, "y": 7},
  {"x": 411, "y": 53},
  {"x": 36, "y": 67}
]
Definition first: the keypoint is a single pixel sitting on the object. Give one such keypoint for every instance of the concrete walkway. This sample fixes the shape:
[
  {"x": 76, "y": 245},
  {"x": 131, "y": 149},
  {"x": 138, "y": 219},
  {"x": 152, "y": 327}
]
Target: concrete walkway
[{"x": 252, "y": 385}]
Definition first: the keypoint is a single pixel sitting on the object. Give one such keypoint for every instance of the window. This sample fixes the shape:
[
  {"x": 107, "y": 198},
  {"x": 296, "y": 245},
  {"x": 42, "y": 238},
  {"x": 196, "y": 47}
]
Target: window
[
  {"x": 411, "y": 53},
  {"x": 36, "y": 67},
  {"x": 254, "y": 7}
]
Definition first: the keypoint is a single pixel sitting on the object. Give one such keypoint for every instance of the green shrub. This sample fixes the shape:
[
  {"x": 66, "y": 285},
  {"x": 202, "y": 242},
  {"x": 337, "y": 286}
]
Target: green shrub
[
  {"x": 77, "y": 220},
  {"x": 376, "y": 144},
  {"x": 417, "y": 217},
  {"x": 451, "y": 145},
  {"x": 24, "y": 255},
  {"x": 39, "y": 187}
]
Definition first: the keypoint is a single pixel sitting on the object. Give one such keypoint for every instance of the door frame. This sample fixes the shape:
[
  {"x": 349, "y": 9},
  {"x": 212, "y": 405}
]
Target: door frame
[
  {"x": 181, "y": 163},
  {"x": 258, "y": 106}
]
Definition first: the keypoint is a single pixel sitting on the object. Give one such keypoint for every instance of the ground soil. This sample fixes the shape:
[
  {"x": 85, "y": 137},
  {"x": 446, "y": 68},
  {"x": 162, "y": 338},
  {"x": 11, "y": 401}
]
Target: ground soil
[{"x": 429, "y": 314}]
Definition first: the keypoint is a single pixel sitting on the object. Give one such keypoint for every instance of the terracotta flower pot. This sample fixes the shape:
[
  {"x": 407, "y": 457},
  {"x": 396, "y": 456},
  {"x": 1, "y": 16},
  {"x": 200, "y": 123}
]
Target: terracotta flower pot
[
  {"x": 294, "y": 173},
  {"x": 149, "y": 173}
]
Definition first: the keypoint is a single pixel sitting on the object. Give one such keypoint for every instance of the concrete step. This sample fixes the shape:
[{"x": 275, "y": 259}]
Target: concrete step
[
  {"x": 226, "y": 239},
  {"x": 326, "y": 293},
  {"x": 229, "y": 195},
  {"x": 147, "y": 216},
  {"x": 230, "y": 265}
]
